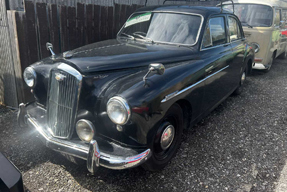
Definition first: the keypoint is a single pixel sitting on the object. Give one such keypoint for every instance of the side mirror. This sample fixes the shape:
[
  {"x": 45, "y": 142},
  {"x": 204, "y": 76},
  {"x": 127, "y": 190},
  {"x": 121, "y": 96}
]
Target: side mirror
[
  {"x": 49, "y": 47},
  {"x": 158, "y": 68}
]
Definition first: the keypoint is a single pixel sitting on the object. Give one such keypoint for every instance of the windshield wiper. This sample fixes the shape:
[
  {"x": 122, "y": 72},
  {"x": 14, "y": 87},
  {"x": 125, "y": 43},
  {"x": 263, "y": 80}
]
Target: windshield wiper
[
  {"x": 127, "y": 35},
  {"x": 143, "y": 37},
  {"x": 245, "y": 23}
]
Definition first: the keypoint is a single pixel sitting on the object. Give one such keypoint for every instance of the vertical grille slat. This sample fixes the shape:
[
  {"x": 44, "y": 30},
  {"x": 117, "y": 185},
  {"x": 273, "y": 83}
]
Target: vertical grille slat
[{"x": 63, "y": 97}]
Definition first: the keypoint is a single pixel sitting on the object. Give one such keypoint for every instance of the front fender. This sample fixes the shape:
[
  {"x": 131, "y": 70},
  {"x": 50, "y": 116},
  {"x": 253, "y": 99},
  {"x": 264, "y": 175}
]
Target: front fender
[{"x": 144, "y": 98}]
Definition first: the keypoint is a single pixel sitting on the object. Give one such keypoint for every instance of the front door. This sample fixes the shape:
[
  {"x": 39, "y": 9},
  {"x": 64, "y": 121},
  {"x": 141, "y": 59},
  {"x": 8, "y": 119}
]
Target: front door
[{"x": 218, "y": 53}]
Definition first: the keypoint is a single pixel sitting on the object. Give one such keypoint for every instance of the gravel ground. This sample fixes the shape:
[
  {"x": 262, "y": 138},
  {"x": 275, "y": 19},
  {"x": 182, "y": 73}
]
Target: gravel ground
[{"x": 240, "y": 146}]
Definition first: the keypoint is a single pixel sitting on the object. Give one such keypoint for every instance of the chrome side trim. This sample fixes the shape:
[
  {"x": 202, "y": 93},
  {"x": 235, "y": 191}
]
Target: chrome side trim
[
  {"x": 177, "y": 12},
  {"x": 176, "y": 93}
]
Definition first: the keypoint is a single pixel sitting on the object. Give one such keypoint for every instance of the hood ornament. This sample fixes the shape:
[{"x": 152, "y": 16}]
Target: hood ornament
[
  {"x": 59, "y": 76},
  {"x": 49, "y": 47},
  {"x": 68, "y": 54}
]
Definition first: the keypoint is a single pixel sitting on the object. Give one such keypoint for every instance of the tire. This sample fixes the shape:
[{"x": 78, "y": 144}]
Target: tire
[
  {"x": 239, "y": 89},
  {"x": 161, "y": 157},
  {"x": 283, "y": 55},
  {"x": 270, "y": 64}
]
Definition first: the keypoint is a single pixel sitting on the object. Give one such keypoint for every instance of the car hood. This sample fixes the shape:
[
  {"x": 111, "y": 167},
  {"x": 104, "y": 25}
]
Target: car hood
[{"x": 122, "y": 54}]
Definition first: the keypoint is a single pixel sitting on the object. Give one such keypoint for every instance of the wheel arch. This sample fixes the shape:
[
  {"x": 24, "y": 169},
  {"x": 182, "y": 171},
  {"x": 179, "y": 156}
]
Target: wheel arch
[{"x": 187, "y": 112}]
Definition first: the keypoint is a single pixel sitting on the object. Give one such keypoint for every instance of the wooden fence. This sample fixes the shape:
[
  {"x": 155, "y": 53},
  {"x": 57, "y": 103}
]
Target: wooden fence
[{"x": 67, "y": 24}]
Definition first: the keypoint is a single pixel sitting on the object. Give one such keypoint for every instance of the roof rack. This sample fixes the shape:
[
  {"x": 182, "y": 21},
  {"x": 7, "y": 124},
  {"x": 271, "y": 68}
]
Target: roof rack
[
  {"x": 175, "y": 0},
  {"x": 202, "y": 1}
]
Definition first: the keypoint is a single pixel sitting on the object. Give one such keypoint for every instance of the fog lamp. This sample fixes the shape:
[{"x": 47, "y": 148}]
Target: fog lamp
[{"x": 85, "y": 130}]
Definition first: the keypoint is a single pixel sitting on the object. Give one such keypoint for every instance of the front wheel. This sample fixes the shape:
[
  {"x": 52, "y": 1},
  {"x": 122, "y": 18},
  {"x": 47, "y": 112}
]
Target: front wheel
[{"x": 166, "y": 140}]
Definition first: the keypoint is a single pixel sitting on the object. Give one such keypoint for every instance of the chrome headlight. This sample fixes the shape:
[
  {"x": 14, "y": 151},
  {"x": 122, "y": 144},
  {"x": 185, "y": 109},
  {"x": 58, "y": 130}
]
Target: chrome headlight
[
  {"x": 29, "y": 76},
  {"x": 85, "y": 130},
  {"x": 256, "y": 47},
  {"x": 118, "y": 110}
]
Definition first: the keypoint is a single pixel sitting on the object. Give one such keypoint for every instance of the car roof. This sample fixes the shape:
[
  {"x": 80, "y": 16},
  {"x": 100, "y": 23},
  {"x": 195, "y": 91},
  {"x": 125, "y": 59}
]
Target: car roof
[{"x": 204, "y": 11}]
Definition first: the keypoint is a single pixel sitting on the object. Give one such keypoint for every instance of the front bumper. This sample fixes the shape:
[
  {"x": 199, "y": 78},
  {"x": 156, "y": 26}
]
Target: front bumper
[{"x": 115, "y": 157}]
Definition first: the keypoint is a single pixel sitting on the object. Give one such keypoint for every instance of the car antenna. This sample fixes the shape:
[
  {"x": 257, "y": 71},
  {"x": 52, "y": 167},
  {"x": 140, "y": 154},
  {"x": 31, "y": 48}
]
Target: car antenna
[{"x": 225, "y": 1}]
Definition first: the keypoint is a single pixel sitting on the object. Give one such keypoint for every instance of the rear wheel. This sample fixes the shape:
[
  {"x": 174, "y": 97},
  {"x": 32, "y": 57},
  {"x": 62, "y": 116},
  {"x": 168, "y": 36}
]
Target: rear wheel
[
  {"x": 283, "y": 55},
  {"x": 238, "y": 91},
  {"x": 166, "y": 140},
  {"x": 270, "y": 64}
]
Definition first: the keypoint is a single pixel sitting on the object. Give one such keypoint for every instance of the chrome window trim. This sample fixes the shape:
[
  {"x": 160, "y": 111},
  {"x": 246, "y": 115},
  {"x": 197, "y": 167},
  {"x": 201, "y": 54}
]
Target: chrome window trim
[
  {"x": 176, "y": 12},
  {"x": 238, "y": 22},
  {"x": 226, "y": 33},
  {"x": 203, "y": 49},
  {"x": 176, "y": 93}
]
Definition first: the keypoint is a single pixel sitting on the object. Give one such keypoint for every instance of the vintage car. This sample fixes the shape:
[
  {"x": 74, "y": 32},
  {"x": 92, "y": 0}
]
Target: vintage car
[
  {"x": 10, "y": 176},
  {"x": 124, "y": 102}
]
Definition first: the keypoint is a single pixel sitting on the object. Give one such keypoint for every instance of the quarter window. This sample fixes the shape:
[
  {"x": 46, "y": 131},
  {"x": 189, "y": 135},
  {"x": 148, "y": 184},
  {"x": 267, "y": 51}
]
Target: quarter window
[
  {"x": 234, "y": 30},
  {"x": 215, "y": 33}
]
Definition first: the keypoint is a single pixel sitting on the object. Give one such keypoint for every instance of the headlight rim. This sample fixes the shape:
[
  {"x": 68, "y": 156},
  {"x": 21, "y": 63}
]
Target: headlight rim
[
  {"x": 126, "y": 106},
  {"x": 90, "y": 124},
  {"x": 33, "y": 72},
  {"x": 258, "y": 46}
]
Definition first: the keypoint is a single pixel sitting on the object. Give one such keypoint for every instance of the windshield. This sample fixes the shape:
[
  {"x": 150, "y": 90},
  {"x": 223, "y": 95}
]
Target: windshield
[
  {"x": 162, "y": 27},
  {"x": 253, "y": 15}
]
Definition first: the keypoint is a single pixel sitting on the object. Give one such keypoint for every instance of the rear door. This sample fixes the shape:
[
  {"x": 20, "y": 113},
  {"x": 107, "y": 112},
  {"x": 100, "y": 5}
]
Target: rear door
[{"x": 217, "y": 52}]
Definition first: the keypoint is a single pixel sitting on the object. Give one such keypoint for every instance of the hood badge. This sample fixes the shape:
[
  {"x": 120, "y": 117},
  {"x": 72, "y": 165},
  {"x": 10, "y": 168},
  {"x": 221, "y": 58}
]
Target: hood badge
[{"x": 59, "y": 76}]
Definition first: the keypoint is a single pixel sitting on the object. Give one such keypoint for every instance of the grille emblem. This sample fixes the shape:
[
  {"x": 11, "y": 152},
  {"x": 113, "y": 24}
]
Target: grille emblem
[{"x": 59, "y": 76}]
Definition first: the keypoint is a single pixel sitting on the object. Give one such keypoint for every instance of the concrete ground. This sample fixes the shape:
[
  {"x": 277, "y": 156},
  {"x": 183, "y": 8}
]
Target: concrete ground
[{"x": 240, "y": 146}]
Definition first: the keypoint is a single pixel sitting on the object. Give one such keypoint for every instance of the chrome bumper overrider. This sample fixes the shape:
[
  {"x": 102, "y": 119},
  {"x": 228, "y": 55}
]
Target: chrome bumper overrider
[{"x": 90, "y": 152}]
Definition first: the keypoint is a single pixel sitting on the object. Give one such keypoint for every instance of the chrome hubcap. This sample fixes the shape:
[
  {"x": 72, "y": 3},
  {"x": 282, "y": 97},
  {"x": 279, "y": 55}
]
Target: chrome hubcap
[
  {"x": 167, "y": 137},
  {"x": 243, "y": 77}
]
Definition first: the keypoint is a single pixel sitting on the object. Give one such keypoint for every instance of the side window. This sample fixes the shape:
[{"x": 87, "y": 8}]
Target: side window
[
  {"x": 234, "y": 29},
  {"x": 277, "y": 18},
  {"x": 215, "y": 33}
]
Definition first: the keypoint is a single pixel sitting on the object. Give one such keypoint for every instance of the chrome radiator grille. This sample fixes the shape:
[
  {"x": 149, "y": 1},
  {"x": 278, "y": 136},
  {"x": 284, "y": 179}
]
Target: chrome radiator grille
[{"x": 63, "y": 96}]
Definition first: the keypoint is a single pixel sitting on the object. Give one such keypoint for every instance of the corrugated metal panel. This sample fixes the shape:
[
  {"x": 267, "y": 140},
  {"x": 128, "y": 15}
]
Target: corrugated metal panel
[{"x": 8, "y": 93}]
